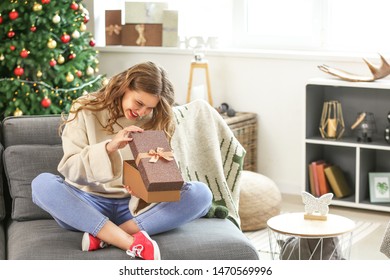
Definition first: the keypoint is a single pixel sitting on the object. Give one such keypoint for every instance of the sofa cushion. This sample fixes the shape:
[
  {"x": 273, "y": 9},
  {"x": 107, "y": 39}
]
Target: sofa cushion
[
  {"x": 22, "y": 163},
  {"x": 34, "y": 130},
  {"x": 202, "y": 239}
]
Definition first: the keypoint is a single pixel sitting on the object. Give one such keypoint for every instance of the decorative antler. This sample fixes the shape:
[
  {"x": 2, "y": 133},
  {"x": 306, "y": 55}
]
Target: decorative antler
[{"x": 378, "y": 72}]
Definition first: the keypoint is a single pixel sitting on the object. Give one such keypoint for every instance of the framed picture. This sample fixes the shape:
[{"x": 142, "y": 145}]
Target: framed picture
[{"x": 379, "y": 187}]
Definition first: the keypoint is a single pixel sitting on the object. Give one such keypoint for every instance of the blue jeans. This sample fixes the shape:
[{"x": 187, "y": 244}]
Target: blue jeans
[{"x": 76, "y": 210}]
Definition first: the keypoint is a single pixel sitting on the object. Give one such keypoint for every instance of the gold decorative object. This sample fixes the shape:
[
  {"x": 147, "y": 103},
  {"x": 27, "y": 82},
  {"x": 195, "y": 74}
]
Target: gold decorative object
[
  {"x": 332, "y": 122},
  {"x": 378, "y": 72}
]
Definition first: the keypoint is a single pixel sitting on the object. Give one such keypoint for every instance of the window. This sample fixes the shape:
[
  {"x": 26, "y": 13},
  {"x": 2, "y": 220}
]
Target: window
[{"x": 347, "y": 25}]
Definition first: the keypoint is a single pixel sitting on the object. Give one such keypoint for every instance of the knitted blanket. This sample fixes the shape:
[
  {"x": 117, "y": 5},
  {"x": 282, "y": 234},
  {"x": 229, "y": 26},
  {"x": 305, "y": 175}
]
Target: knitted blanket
[{"x": 206, "y": 150}]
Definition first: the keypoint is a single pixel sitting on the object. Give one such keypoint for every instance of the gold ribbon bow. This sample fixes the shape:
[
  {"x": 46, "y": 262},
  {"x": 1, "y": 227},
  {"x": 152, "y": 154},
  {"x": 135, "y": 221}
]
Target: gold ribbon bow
[
  {"x": 113, "y": 29},
  {"x": 155, "y": 155},
  {"x": 140, "y": 28}
]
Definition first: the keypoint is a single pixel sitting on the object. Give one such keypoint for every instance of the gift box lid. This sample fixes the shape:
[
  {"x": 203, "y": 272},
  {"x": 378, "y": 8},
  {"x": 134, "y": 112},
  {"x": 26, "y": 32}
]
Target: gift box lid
[{"x": 155, "y": 161}]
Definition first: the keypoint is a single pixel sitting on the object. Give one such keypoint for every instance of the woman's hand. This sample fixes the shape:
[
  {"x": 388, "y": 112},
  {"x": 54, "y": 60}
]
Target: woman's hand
[
  {"x": 128, "y": 188},
  {"x": 121, "y": 139}
]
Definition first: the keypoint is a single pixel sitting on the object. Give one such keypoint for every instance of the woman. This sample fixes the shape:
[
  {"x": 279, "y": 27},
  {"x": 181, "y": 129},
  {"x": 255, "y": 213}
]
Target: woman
[{"x": 95, "y": 137}]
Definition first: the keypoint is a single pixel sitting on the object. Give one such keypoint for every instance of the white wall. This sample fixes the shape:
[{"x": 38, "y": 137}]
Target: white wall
[
  {"x": 268, "y": 83},
  {"x": 271, "y": 85}
]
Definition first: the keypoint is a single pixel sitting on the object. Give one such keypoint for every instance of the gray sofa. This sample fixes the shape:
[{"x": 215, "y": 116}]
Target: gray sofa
[{"x": 31, "y": 146}]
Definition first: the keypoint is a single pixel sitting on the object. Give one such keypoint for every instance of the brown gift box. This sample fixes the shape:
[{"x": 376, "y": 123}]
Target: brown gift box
[
  {"x": 142, "y": 35},
  {"x": 113, "y": 27},
  {"x": 152, "y": 181}
]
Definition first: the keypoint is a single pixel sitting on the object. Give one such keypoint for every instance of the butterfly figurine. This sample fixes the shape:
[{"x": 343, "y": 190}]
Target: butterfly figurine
[{"x": 315, "y": 205}]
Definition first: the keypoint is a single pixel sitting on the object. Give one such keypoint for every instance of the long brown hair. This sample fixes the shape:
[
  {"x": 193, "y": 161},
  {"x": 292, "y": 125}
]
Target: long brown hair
[{"x": 147, "y": 77}]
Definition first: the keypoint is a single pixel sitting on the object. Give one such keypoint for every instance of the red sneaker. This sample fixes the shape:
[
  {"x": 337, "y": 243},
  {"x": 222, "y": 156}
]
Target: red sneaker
[
  {"x": 92, "y": 243},
  {"x": 144, "y": 247}
]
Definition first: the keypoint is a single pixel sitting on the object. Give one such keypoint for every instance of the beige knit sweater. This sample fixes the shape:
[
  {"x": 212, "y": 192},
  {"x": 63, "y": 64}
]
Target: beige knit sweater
[{"x": 86, "y": 164}]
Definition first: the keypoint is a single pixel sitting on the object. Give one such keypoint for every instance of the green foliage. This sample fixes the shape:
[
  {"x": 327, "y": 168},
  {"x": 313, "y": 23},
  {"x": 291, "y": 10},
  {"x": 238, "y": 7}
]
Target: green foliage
[{"x": 26, "y": 30}]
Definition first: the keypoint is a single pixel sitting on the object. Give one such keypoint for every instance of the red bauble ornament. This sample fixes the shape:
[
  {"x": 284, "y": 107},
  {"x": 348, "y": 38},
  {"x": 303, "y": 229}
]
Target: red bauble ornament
[
  {"x": 12, "y": 47},
  {"x": 46, "y": 102},
  {"x": 72, "y": 56},
  {"x": 92, "y": 43},
  {"x": 11, "y": 34},
  {"x": 74, "y": 6},
  {"x": 33, "y": 28},
  {"x": 13, "y": 15},
  {"x": 65, "y": 38},
  {"x": 53, "y": 62},
  {"x": 24, "y": 53},
  {"x": 45, "y": 1},
  {"x": 18, "y": 71},
  {"x": 86, "y": 19},
  {"x": 1, "y": 19},
  {"x": 79, "y": 73}
]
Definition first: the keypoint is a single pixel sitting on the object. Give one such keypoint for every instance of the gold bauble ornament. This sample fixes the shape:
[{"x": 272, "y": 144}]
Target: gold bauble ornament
[
  {"x": 83, "y": 27},
  {"x": 69, "y": 77},
  {"x": 105, "y": 82},
  {"x": 37, "y": 7},
  {"x": 39, "y": 74},
  {"x": 2, "y": 57},
  {"x": 60, "y": 59},
  {"x": 18, "y": 112},
  {"x": 51, "y": 44}
]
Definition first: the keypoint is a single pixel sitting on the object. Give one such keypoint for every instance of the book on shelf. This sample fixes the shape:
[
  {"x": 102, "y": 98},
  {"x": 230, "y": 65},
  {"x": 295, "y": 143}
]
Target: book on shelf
[
  {"x": 315, "y": 189},
  {"x": 337, "y": 181},
  {"x": 311, "y": 181},
  {"x": 322, "y": 181}
]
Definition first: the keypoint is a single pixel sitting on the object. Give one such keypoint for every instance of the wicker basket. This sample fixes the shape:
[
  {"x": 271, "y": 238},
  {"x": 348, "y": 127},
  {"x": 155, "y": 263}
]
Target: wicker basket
[{"x": 244, "y": 127}]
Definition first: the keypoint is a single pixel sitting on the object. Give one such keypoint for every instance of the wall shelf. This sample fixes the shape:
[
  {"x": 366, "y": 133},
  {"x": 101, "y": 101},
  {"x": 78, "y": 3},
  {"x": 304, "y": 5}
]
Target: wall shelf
[{"x": 355, "y": 158}]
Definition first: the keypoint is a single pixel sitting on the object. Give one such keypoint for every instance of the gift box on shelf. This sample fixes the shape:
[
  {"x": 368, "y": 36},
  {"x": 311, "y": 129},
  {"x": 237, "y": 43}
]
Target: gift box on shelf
[
  {"x": 144, "y": 12},
  {"x": 113, "y": 27},
  {"x": 153, "y": 175},
  {"x": 170, "y": 28},
  {"x": 142, "y": 35}
]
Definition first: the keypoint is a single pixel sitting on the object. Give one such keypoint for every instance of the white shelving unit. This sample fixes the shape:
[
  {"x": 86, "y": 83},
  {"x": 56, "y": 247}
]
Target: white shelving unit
[{"x": 355, "y": 158}]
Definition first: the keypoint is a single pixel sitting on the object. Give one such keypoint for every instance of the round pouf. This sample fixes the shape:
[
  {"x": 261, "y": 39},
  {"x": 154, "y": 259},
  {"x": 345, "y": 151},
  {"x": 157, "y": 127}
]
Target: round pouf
[{"x": 260, "y": 200}]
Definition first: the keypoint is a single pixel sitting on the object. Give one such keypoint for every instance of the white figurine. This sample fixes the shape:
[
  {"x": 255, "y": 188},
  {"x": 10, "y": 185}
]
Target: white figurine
[{"x": 316, "y": 206}]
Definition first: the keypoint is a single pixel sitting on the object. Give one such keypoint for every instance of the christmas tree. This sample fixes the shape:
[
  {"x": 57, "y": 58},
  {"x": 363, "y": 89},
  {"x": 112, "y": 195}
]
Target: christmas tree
[{"x": 47, "y": 58}]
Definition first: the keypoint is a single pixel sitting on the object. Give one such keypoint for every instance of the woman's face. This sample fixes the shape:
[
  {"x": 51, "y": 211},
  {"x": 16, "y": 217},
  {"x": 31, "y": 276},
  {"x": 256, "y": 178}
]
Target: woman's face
[{"x": 138, "y": 103}]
